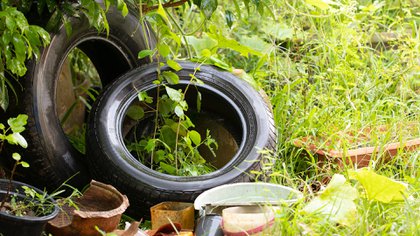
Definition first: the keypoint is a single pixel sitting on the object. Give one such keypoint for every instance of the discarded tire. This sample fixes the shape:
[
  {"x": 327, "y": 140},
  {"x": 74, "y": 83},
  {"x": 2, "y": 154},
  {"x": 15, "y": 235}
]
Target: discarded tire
[
  {"x": 52, "y": 158},
  {"x": 233, "y": 100}
]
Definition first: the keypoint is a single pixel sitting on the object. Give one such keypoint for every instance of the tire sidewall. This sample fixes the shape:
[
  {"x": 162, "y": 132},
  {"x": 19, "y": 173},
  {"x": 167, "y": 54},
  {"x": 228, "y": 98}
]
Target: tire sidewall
[
  {"x": 51, "y": 153},
  {"x": 104, "y": 133}
]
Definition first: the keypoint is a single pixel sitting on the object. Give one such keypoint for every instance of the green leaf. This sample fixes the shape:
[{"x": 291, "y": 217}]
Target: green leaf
[
  {"x": 173, "y": 94},
  {"x": 179, "y": 111},
  {"x": 195, "y": 137},
  {"x": 168, "y": 136},
  {"x": 150, "y": 146},
  {"x": 24, "y": 164},
  {"x": 135, "y": 112},
  {"x": 17, "y": 124},
  {"x": 33, "y": 39},
  {"x": 200, "y": 44},
  {"x": 165, "y": 105},
  {"x": 170, "y": 77},
  {"x": 230, "y": 18},
  {"x": 199, "y": 97},
  {"x": 232, "y": 44},
  {"x": 20, "y": 20},
  {"x": 51, "y": 4},
  {"x": 159, "y": 156},
  {"x": 162, "y": 13},
  {"x": 20, "y": 47},
  {"x": 379, "y": 188},
  {"x": 4, "y": 94},
  {"x": 122, "y": 7},
  {"x": 167, "y": 168},
  {"x": 19, "y": 139},
  {"x": 16, "y": 156},
  {"x": 255, "y": 43},
  {"x": 163, "y": 49},
  {"x": 54, "y": 21},
  {"x": 107, "y": 5},
  {"x": 144, "y": 97},
  {"x": 10, "y": 23},
  {"x": 43, "y": 34},
  {"x": 336, "y": 202},
  {"x": 187, "y": 140},
  {"x": 208, "y": 7},
  {"x": 67, "y": 26},
  {"x": 279, "y": 31},
  {"x": 321, "y": 4},
  {"x": 6, "y": 37},
  {"x": 184, "y": 105},
  {"x": 174, "y": 65},
  {"x": 145, "y": 53}
]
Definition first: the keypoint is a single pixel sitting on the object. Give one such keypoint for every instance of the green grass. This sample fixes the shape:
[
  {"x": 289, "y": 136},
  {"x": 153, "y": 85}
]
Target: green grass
[{"x": 326, "y": 74}]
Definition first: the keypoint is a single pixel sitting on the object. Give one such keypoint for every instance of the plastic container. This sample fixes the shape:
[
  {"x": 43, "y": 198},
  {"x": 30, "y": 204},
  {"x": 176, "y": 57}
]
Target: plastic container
[
  {"x": 241, "y": 194},
  {"x": 209, "y": 225},
  {"x": 215, "y": 200},
  {"x": 246, "y": 220},
  {"x": 173, "y": 212},
  {"x": 11, "y": 225}
]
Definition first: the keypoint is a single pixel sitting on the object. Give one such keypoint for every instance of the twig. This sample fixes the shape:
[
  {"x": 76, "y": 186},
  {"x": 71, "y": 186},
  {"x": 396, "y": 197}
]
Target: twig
[{"x": 168, "y": 4}]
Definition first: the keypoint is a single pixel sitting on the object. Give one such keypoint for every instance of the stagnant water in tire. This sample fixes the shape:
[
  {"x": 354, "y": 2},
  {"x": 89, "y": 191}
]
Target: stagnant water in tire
[{"x": 224, "y": 129}]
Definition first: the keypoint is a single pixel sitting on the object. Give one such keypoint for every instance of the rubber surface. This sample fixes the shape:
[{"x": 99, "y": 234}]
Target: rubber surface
[
  {"x": 52, "y": 158},
  {"x": 112, "y": 163}
]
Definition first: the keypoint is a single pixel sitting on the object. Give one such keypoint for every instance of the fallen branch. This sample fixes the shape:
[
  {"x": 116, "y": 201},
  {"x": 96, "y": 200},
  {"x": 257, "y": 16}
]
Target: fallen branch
[{"x": 171, "y": 3}]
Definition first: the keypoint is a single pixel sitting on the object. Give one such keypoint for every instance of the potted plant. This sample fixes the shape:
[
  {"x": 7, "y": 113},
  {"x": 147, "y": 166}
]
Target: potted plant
[
  {"x": 358, "y": 147},
  {"x": 24, "y": 209}
]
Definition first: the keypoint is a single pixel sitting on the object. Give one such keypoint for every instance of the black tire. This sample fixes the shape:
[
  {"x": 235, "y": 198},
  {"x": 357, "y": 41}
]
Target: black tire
[
  {"x": 234, "y": 99},
  {"x": 50, "y": 154}
]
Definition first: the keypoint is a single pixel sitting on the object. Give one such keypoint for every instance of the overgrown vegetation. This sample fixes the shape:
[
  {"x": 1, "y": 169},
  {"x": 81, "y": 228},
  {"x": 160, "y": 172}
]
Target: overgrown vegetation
[
  {"x": 172, "y": 144},
  {"x": 329, "y": 67}
]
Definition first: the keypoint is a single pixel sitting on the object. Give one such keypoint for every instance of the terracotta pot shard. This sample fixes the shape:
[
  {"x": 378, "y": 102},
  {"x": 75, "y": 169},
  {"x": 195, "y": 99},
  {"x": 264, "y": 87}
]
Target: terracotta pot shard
[
  {"x": 100, "y": 205},
  {"x": 358, "y": 156}
]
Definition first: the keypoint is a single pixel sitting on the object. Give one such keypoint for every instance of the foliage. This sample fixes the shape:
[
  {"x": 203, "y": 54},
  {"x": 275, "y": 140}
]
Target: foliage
[
  {"x": 329, "y": 67},
  {"x": 15, "y": 206},
  {"x": 32, "y": 203},
  {"x": 22, "y": 41},
  {"x": 12, "y": 134},
  {"x": 379, "y": 188},
  {"x": 173, "y": 146},
  {"x": 336, "y": 201}
]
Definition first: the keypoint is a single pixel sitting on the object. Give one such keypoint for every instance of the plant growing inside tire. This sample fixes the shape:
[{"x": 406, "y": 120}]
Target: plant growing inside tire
[
  {"x": 173, "y": 146},
  {"x": 236, "y": 115},
  {"x": 227, "y": 101}
]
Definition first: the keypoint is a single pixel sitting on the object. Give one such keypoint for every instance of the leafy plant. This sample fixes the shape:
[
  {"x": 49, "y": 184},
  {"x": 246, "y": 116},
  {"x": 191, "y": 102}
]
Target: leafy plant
[
  {"x": 173, "y": 146},
  {"x": 21, "y": 41},
  {"x": 15, "y": 206},
  {"x": 29, "y": 202},
  {"x": 12, "y": 135}
]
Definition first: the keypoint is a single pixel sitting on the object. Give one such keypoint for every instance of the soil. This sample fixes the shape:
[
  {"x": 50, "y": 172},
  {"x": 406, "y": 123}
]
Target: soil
[{"x": 8, "y": 209}]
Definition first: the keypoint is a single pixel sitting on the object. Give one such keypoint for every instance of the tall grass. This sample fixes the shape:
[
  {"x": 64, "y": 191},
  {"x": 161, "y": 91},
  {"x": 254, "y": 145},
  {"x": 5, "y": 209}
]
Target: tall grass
[{"x": 351, "y": 66}]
